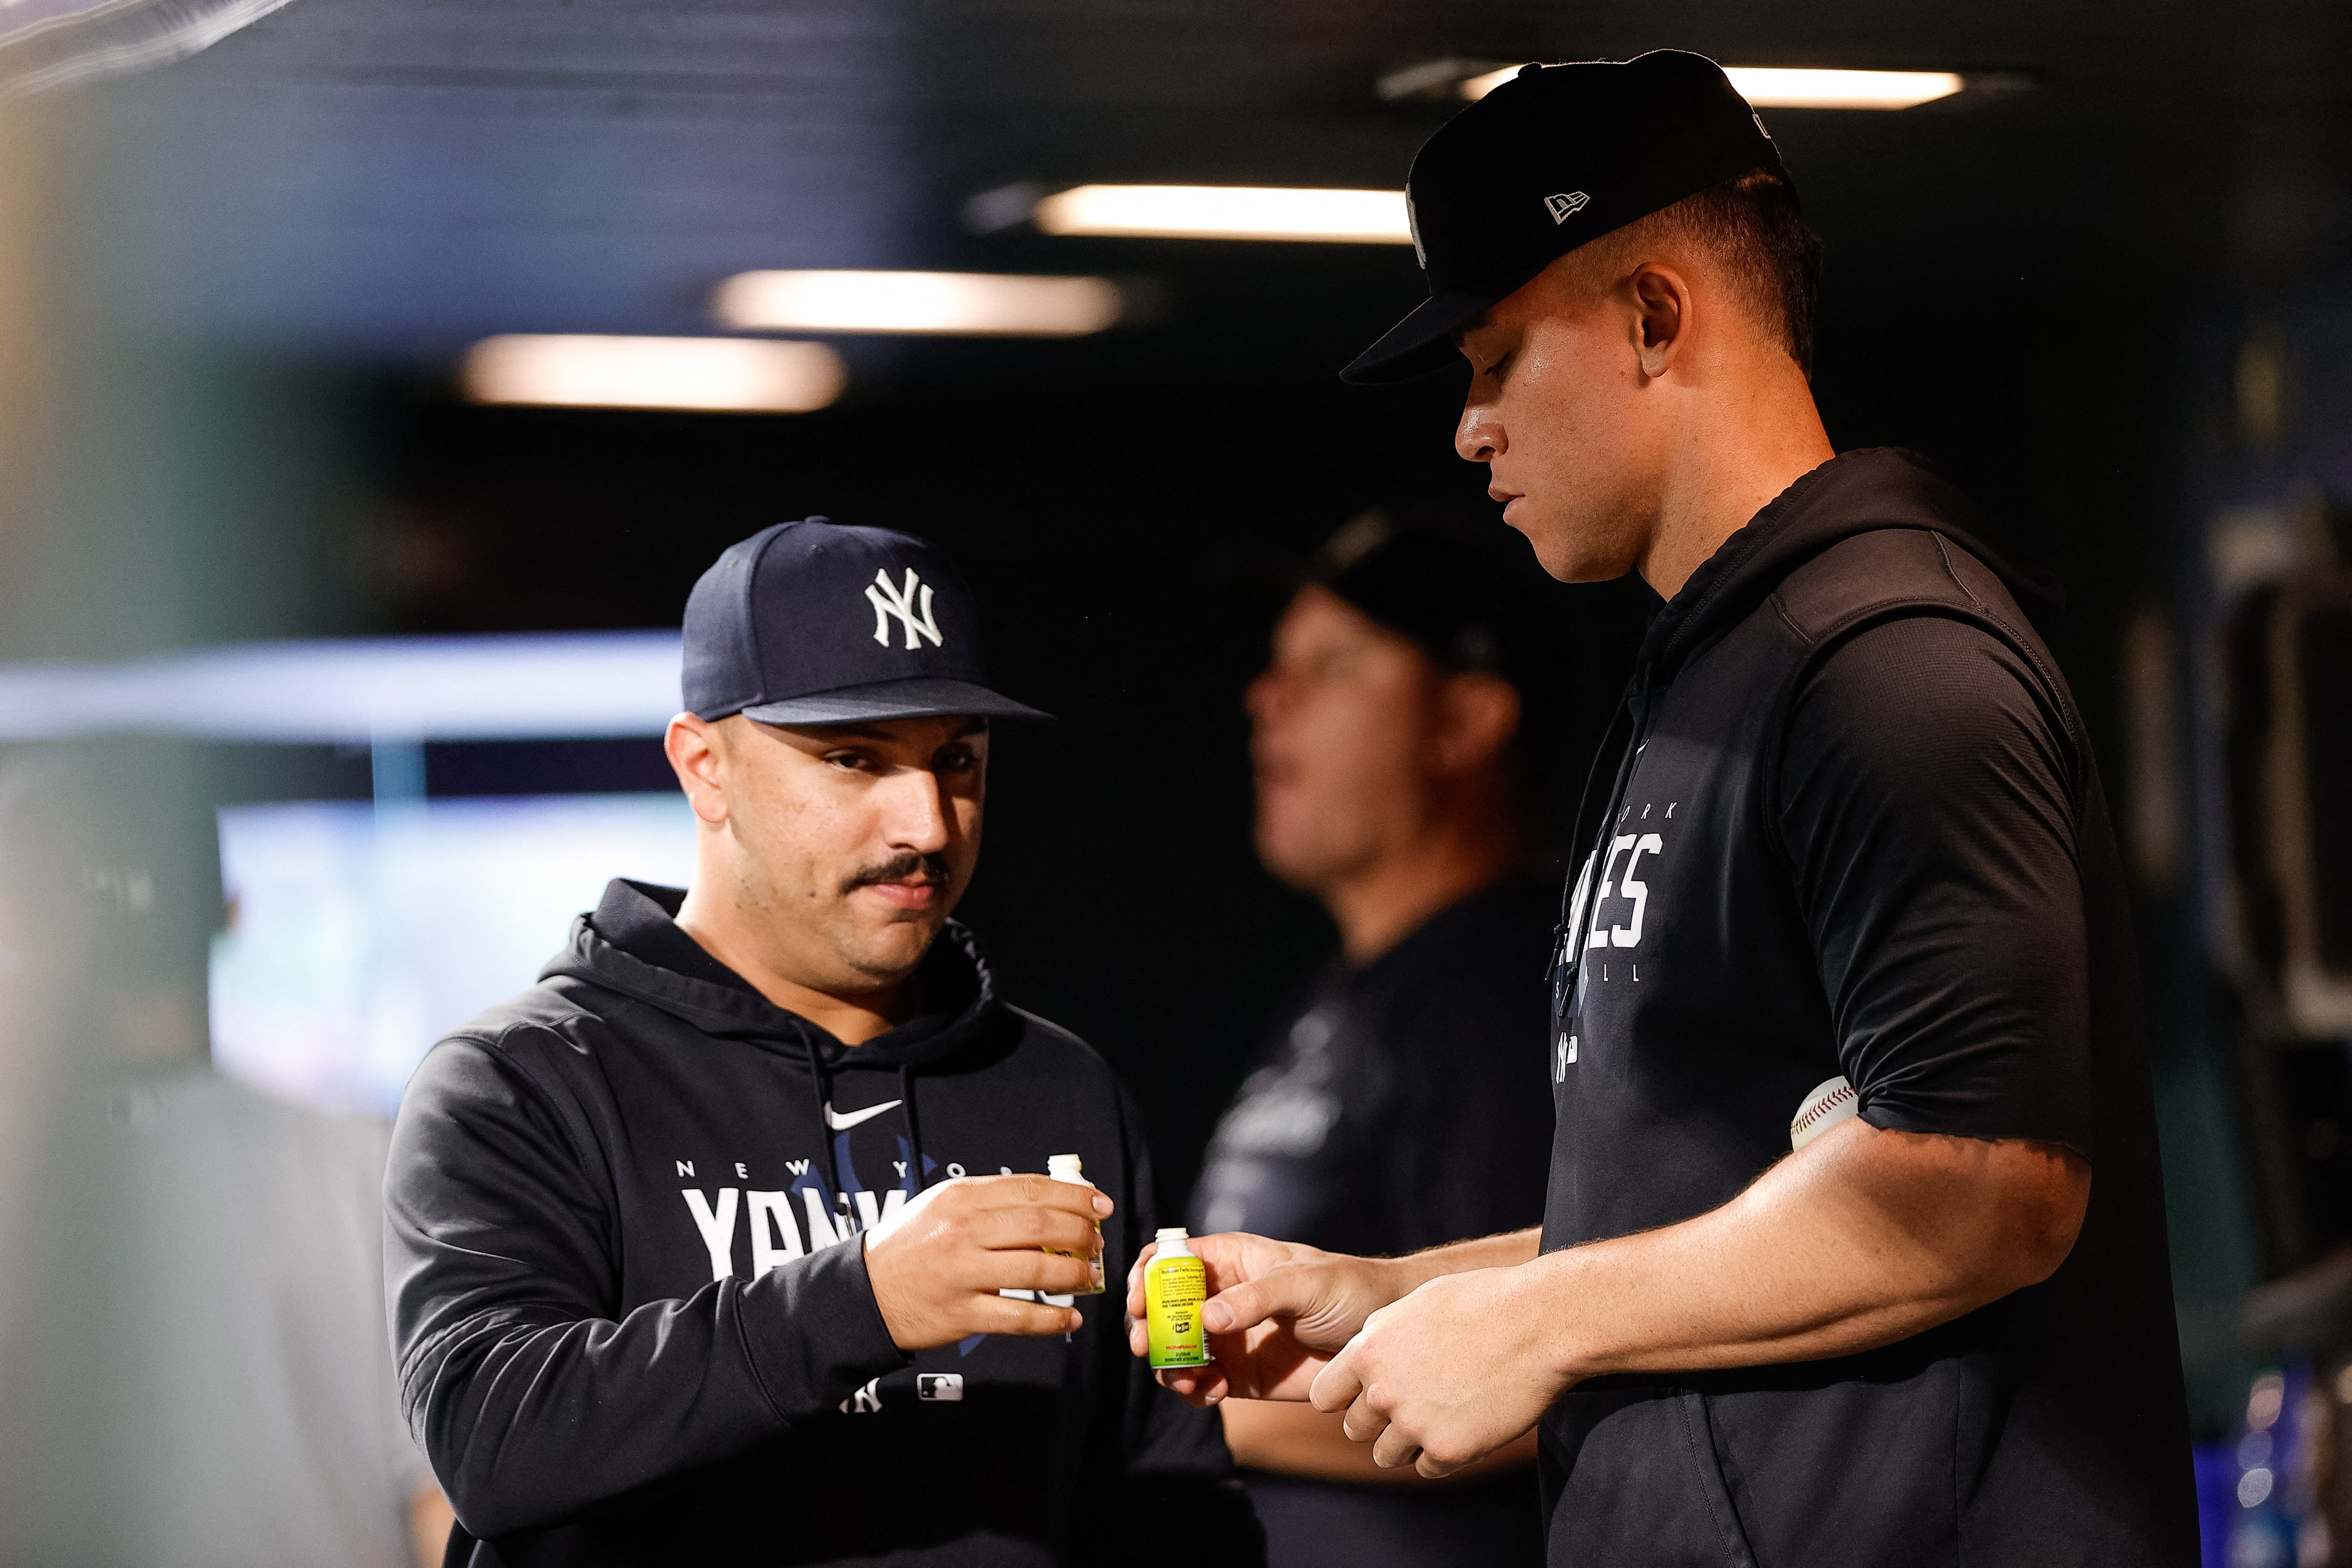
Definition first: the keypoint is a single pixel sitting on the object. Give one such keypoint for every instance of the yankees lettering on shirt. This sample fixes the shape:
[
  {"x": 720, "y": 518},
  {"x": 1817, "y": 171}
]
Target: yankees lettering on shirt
[
  {"x": 1620, "y": 911},
  {"x": 773, "y": 1221},
  {"x": 721, "y": 1217},
  {"x": 769, "y": 1215}
]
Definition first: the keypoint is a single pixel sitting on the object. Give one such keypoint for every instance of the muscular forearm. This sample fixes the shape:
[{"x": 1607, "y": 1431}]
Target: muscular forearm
[
  {"x": 1868, "y": 1237},
  {"x": 1289, "y": 1440},
  {"x": 1503, "y": 1251}
]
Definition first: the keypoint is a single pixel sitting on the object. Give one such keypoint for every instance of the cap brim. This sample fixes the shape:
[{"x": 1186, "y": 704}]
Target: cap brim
[
  {"x": 892, "y": 699},
  {"x": 1424, "y": 342}
]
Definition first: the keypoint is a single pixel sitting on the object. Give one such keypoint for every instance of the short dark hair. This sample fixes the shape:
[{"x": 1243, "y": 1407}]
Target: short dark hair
[
  {"x": 1752, "y": 225},
  {"x": 1470, "y": 609}
]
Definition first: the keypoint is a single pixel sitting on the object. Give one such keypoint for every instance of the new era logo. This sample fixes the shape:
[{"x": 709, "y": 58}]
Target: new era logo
[
  {"x": 1567, "y": 203},
  {"x": 911, "y": 604}
]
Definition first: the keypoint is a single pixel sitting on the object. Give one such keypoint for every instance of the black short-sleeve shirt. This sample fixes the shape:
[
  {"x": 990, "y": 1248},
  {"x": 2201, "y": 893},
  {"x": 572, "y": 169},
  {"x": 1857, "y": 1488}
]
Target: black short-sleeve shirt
[
  {"x": 1401, "y": 1105},
  {"x": 1856, "y": 831}
]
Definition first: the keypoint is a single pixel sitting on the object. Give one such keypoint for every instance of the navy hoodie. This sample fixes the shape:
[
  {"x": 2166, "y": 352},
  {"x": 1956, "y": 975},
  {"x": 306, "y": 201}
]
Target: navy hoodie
[
  {"x": 629, "y": 1302},
  {"x": 1853, "y": 829}
]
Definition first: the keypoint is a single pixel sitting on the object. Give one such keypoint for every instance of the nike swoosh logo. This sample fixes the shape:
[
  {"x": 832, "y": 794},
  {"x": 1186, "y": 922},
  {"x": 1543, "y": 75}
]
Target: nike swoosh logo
[{"x": 840, "y": 1123}]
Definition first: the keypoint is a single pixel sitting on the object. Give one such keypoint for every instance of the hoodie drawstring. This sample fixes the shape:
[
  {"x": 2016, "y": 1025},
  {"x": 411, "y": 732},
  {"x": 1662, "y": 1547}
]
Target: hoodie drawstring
[
  {"x": 820, "y": 1085},
  {"x": 824, "y": 1091},
  {"x": 914, "y": 1128}
]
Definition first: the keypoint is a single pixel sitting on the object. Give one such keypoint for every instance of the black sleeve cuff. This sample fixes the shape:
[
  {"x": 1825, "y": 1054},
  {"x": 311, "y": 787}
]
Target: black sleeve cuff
[
  {"x": 1987, "y": 1127},
  {"x": 814, "y": 1333}
]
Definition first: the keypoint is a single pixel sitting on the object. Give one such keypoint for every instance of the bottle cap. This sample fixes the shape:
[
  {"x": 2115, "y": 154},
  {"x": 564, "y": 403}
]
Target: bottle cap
[{"x": 1065, "y": 1168}]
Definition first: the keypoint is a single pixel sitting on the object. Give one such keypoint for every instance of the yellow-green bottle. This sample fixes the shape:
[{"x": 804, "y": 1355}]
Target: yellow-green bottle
[
  {"x": 1072, "y": 1169},
  {"x": 1174, "y": 1286}
]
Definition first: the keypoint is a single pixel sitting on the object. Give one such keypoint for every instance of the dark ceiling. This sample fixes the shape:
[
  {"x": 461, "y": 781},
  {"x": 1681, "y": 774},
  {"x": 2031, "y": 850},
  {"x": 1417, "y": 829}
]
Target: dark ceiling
[{"x": 352, "y": 175}]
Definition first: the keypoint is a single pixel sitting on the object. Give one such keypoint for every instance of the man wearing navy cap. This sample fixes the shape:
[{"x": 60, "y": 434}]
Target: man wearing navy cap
[
  {"x": 724, "y": 1243},
  {"x": 1843, "y": 1016}
]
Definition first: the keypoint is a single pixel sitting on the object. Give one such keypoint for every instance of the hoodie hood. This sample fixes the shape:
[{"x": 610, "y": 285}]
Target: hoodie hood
[
  {"x": 1854, "y": 492},
  {"x": 960, "y": 1012},
  {"x": 960, "y": 1015}
]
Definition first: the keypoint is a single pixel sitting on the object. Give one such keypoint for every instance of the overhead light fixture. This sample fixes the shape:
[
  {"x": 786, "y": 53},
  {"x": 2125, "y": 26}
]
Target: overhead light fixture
[
  {"x": 1766, "y": 86},
  {"x": 740, "y": 376},
  {"x": 1227, "y": 212},
  {"x": 964, "y": 304},
  {"x": 1778, "y": 87}
]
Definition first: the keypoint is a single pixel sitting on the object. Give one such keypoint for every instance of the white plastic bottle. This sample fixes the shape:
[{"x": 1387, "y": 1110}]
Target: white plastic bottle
[{"x": 1070, "y": 1168}]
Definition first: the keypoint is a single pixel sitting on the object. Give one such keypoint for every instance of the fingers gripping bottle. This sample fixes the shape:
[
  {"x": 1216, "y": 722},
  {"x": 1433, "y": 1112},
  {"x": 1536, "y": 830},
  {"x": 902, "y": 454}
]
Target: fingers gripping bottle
[
  {"x": 1072, "y": 1169},
  {"x": 1174, "y": 1286}
]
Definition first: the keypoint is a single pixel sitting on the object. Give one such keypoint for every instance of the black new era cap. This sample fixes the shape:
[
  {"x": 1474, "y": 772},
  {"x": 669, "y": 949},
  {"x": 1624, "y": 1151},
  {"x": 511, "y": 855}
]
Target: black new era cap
[
  {"x": 1554, "y": 157},
  {"x": 811, "y": 622}
]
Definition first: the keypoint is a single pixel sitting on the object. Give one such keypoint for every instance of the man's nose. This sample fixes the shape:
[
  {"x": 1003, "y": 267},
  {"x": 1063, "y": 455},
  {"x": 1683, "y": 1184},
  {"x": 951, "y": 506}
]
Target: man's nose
[
  {"x": 916, "y": 813},
  {"x": 1479, "y": 438}
]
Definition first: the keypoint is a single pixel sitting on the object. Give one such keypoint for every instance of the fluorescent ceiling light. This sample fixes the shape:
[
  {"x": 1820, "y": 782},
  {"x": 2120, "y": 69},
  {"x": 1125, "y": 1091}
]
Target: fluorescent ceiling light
[
  {"x": 720, "y": 375},
  {"x": 1776, "y": 87},
  {"x": 1227, "y": 212},
  {"x": 974, "y": 304},
  {"x": 1781, "y": 87}
]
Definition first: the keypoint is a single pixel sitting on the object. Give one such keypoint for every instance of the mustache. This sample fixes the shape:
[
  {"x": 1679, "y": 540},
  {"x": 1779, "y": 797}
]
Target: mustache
[{"x": 901, "y": 867}]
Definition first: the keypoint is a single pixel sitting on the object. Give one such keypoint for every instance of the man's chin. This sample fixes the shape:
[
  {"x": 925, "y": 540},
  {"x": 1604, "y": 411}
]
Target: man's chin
[
  {"x": 1566, "y": 547},
  {"x": 1300, "y": 862},
  {"x": 890, "y": 950},
  {"x": 1566, "y": 563}
]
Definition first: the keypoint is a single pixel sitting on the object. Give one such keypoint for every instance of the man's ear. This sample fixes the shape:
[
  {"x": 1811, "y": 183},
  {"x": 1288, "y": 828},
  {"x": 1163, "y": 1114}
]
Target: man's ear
[
  {"x": 1478, "y": 715},
  {"x": 1661, "y": 302},
  {"x": 696, "y": 750}
]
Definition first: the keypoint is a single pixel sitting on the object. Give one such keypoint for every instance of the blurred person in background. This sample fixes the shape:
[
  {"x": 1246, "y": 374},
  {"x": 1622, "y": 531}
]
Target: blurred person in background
[
  {"x": 1404, "y": 1103},
  {"x": 210, "y": 1359},
  {"x": 711, "y": 1247}
]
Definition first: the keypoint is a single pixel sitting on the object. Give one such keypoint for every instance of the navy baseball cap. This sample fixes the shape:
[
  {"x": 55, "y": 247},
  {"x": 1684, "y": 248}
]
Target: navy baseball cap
[
  {"x": 811, "y": 622},
  {"x": 1555, "y": 157}
]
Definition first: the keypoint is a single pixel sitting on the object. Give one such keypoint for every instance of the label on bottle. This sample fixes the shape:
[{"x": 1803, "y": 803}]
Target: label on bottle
[
  {"x": 1095, "y": 1288},
  {"x": 1173, "y": 1289}
]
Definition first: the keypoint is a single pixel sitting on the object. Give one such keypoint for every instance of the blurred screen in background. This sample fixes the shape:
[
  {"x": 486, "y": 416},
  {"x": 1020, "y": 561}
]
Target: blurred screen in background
[{"x": 358, "y": 934}]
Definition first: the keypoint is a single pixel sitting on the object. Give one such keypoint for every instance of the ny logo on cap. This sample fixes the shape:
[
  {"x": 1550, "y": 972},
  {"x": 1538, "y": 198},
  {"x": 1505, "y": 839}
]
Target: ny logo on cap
[
  {"x": 914, "y": 613},
  {"x": 1565, "y": 205}
]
